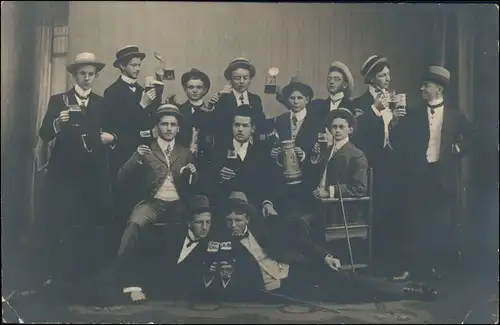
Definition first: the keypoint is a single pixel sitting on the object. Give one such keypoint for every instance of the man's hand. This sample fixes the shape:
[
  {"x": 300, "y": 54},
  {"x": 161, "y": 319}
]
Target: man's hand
[
  {"x": 190, "y": 167},
  {"x": 275, "y": 153},
  {"x": 227, "y": 173},
  {"x": 381, "y": 101},
  {"x": 329, "y": 137},
  {"x": 268, "y": 210},
  {"x": 300, "y": 153},
  {"x": 194, "y": 149},
  {"x": 332, "y": 262},
  {"x": 214, "y": 99},
  {"x": 106, "y": 138},
  {"x": 147, "y": 97},
  {"x": 399, "y": 112},
  {"x": 321, "y": 193},
  {"x": 143, "y": 151},
  {"x": 63, "y": 117}
]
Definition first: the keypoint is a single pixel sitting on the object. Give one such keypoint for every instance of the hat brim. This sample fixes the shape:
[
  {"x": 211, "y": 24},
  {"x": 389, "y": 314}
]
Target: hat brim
[
  {"x": 178, "y": 115},
  {"x": 347, "y": 72},
  {"x": 245, "y": 206},
  {"x": 440, "y": 80},
  {"x": 241, "y": 65},
  {"x": 74, "y": 66},
  {"x": 369, "y": 71},
  {"x": 201, "y": 75},
  {"x": 127, "y": 56},
  {"x": 342, "y": 114}
]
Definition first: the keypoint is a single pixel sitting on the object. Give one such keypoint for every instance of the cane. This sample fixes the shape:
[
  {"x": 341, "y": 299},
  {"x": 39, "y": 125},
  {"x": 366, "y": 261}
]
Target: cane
[
  {"x": 11, "y": 309},
  {"x": 346, "y": 228}
]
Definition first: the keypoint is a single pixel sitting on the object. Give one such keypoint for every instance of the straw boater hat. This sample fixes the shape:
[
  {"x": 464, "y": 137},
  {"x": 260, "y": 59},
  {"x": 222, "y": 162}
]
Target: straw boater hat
[
  {"x": 168, "y": 109},
  {"x": 437, "y": 74},
  {"x": 199, "y": 204},
  {"x": 237, "y": 64},
  {"x": 342, "y": 113},
  {"x": 345, "y": 70},
  {"x": 239, "y": 200},
  {"x": 370, "y": 64},
  {"x": 128, "y": 52},
  {"x": 297, "y": 84},
  {"x": 85, "y": 58},
  {"x": 198, "y": 74}
]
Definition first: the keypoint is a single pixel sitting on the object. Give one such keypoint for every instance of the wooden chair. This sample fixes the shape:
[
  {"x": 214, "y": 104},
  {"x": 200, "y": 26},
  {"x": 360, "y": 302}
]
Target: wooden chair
[{"x": 348, "y": 231}]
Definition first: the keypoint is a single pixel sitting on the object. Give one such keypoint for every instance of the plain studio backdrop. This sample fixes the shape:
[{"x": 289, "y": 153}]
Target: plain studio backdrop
[{"x": 40, "y": 38}]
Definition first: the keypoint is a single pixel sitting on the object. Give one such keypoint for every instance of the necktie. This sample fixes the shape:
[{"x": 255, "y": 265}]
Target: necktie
[
  {"x": 133, "y": 86},
  {"x": 244, "y": 235},
  {"x": 82, "y": 98},
  {"x": 433, "y": 107},
  {"x": 242, "y": 99},
  {"x": 168, "y": 151},
  {"x": 334, "y": 101},
  {"x": 191, "y": 241},
  {"x": 294, "y": 120}
]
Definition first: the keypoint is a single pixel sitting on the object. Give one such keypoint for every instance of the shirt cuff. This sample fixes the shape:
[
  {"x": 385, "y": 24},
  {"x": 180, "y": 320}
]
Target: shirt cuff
[
  {"x": 56, "y": 126},
  {"x": 331, "y": 192},
  {"x": 132, "y": 289},
  {"x": 267, "y": 201}
]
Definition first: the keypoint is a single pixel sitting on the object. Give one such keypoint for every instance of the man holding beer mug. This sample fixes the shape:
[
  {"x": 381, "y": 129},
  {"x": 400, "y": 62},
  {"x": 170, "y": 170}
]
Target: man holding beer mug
[
  {"x": 77, "y": 176},
  {"x": 382, "y": 110}
]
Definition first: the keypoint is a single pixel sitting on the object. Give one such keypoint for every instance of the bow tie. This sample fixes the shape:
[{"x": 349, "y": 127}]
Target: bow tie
[
  {"x": 335, "y": 100},
  {"x": 433, "y": 107},
  {"x": 133, "y": 86},
  {"x": 244, "y": 235},
  {"x": 191, "y": 241}
]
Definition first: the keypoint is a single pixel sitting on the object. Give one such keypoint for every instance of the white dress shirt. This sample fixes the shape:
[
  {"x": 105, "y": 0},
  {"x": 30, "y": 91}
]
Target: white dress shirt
[
  {"x": 272, "y": 271},
  {"x": 82, "y": 93},
  {"x": 435, "y": 127},
  {"x": 336, "y": 147},
  {"x": 300, "y": 119},
  {"x": 386, "y": 115},
  {"x": 167, "y": 191},
  {"x": 241, "y": 148},
  {"x": 238, "y": 95},
  {"x": 185, "y": 249},
  {"x": 130, "y": 82},
  {"x": 335, "y": 100}
]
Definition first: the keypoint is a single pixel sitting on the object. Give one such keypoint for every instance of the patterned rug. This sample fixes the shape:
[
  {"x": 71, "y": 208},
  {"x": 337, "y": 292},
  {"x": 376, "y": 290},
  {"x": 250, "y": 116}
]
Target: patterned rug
[{"x": 177, "y": 312}]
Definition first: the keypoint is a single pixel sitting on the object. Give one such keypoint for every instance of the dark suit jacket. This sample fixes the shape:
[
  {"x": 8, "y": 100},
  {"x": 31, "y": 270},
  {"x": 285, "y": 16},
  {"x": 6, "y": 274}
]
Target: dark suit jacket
[
  {"x": 411, "y": 139},
  {"x": 126, "y": 118},
  {"x": 224, "y": 113},
  {"x": 321, "y": 107},
  {"x": 199, "y": 119},
  {"x": 347, "y": 171},
  {"x": 150, "y": 175},
  {"x": 370, "y": 134},
  {"x": 69, "y": 151},
  {"x": 308, "y": 133},
  {"x": 252, "y": 174}
]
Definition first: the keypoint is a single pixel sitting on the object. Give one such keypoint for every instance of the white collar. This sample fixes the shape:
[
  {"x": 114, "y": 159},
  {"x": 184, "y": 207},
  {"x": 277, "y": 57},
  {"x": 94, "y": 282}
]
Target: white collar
[
  {"x": 435, "y": 102},
  {"x": 191, "y": 235},
  {"x": 238, "y": 145},
  {"x": 128, "y": 80},
  {"x": 300, "y": 115},
  {"x": 341, "y": 143},
  {"x": 196, "y": 103},
  {"x": 337, "y": 96},
  {"x": 164, "y": 144},
  {"x": 374, "y": 91},
  {"x": 81, "y": 92},
  {"x": 237, "y": 94}
]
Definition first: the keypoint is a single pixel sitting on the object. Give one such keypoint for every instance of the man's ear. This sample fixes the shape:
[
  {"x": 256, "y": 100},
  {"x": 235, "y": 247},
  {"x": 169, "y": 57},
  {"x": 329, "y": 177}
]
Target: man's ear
[{"x": 350, "y": 130}]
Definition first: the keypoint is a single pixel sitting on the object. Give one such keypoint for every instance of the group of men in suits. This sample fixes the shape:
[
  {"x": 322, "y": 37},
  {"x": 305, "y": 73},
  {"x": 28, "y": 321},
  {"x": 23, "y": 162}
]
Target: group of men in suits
[{"x": 221, "y": 161}]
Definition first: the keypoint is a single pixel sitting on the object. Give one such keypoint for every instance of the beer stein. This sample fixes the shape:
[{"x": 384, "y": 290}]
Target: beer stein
[
  {"x": 75, "y": 115},
  {"x": 270, "y": 87},
  {"x": 291, "y": 166}
]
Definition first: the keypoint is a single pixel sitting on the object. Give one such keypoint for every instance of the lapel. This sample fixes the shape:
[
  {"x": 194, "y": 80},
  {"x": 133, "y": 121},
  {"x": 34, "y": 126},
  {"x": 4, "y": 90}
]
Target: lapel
[
  {"x": 303, "y": 128},
  {"x": 446, "y": 130},
  {"x": 155, "y": 148},
  {"x": 174, "y": 155},
  {"x": 71, "y": 97},
  {"x": 287, "y": 125},
  {"x": 186, "y": 109},
  {"x": 346, "y": 147}
]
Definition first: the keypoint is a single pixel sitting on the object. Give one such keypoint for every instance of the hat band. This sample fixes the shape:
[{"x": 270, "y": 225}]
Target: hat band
[
  {"x": 436, "y": 78},
  {"x": 369, "y": 64}
]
